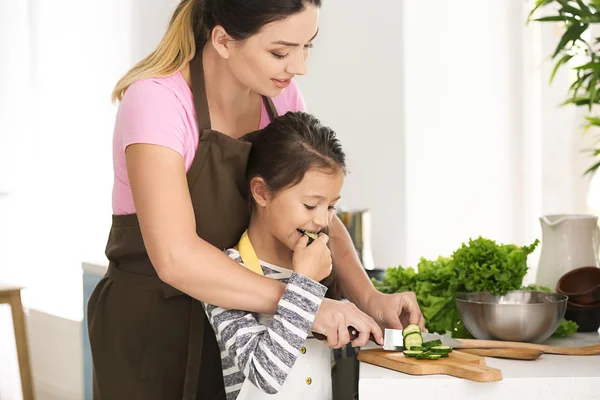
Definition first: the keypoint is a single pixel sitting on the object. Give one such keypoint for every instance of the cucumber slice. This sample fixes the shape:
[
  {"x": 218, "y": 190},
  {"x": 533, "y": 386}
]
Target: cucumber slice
[
  {"x": 434, "y": 356},
  {"x": 417, "y": 348},
  {"x": 311, "y": 236},
  {"x": 432, "y": 343},
  {"x": 441, "y": 349},
  {"x": 413, "y": 339},
  {"x": 412, "y": 353},
  {"x": 412, "y": 328}
]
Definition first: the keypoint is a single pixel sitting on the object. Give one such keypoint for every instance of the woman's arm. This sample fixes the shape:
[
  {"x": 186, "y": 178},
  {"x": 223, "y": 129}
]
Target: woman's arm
[
  {"x": 389, "y": 310},
  {"x": 182, "y": 259},
  {"x": 353, "y": 279},
  {"x": 192, "y": 265}
]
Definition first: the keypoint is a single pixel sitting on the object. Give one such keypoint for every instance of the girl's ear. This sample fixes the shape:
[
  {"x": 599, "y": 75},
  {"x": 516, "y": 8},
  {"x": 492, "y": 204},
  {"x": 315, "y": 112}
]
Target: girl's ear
[
  {"x": 260, "y": 191},
  {"x": 220, "y": 40}
]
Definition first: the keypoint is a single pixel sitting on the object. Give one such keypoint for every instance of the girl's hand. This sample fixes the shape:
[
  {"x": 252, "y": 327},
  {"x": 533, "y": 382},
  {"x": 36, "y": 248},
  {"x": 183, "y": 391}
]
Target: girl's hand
[{"x": 313, "y": 261}]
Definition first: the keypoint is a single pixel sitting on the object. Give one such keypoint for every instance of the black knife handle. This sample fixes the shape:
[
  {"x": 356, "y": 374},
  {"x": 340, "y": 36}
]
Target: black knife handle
[{"x": 351, "y": 330}]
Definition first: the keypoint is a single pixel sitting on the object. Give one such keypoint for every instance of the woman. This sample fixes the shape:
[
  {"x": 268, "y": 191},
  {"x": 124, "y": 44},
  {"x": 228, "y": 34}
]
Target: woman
[{"x": 223, "y": 68}]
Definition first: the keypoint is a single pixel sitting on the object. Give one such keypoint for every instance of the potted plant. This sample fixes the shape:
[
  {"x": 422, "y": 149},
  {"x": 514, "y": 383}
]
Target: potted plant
[{"x": 574, "y": 45}]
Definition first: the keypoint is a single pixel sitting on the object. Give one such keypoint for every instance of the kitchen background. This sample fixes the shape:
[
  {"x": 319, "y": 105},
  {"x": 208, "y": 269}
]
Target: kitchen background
[{"x": 444, "y": 108}]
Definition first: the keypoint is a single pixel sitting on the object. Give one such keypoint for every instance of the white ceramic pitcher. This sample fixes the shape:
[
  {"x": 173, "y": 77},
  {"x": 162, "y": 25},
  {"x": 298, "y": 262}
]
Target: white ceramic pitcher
[{"x": 569, "y": 241}]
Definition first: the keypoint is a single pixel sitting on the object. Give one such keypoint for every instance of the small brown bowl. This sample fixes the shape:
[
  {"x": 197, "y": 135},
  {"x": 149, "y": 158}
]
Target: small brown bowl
[
  {"x": 588, "y": 318},
  {"x": 571, "y": 304},
  {"x": 582, "y": 285}
]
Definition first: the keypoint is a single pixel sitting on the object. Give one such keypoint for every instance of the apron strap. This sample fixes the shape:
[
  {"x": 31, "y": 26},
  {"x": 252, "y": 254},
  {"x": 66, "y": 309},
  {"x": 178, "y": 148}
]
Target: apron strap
[
  {"x": 271, "y": 109},
  {"x": 248, "y": 255},
  {"x": 195, "y": 346},
  {"x": 201, "y": 101},
  {"x": 199, "y": 92}
]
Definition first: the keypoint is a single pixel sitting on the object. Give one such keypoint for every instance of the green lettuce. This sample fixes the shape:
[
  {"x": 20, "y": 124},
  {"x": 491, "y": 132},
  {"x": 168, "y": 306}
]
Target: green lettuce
[{"x": 480, "y": 265}]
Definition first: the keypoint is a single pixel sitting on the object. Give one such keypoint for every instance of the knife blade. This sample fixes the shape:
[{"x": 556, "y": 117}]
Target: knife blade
[{"x": 393, "y": 340}]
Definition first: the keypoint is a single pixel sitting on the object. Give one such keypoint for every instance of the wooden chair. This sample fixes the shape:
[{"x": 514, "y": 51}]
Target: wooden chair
[{"x": 12, "y": 295}]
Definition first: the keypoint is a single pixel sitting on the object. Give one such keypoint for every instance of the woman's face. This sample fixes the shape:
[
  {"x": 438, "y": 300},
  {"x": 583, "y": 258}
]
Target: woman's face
[{"x": 267, "y": 61}]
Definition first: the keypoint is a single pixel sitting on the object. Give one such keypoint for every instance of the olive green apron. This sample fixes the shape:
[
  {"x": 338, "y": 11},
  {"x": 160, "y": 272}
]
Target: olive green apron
[{"x": 148, "y": 339}]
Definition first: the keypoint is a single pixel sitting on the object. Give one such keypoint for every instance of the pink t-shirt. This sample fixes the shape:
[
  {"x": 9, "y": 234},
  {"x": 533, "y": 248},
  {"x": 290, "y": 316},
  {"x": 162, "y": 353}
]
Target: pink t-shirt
[{"x": 161, "y": 111}]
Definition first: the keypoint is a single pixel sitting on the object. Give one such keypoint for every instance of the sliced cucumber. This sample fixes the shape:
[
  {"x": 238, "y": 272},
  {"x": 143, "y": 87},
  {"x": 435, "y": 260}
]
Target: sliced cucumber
[
  {"x": 311, "y": 236},
  {"x": 441, "y": 349},
  {"x": 412, "y": 328},
  {"x": 414, "y": 346},
  {"x": 413, "y": 339},
  {"x": 432, "y": 343}
]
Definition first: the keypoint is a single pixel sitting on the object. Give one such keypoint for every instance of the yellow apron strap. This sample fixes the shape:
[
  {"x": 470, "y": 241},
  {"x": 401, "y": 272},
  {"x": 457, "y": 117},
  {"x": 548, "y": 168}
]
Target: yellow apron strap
[{"x": 248, "y": 255}]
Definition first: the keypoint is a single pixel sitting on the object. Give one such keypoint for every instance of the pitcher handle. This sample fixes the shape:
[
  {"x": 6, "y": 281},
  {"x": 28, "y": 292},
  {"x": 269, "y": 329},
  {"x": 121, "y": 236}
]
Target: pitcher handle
[{"x": 549, "y": 223}]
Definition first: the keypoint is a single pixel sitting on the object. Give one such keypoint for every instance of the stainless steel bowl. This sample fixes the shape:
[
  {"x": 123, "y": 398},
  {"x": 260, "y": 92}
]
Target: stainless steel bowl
[{"x": 519, "y": 316}]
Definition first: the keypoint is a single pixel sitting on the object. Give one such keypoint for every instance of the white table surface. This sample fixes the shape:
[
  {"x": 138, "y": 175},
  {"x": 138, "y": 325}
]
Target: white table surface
[{"x": 549, "y": 377}]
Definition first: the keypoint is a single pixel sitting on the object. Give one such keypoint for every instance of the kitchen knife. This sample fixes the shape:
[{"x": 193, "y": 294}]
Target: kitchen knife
[{"x": 394, "y": 341}]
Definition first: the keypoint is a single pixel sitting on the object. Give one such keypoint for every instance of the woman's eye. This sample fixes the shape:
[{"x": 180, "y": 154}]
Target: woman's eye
[
  {"x": 332, "y": 208},
  {"x": 280, "y": 56},
  {"x": 310, "y": 207}
]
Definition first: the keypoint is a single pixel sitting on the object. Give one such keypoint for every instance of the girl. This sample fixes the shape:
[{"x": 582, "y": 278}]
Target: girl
[
  {"x": 296, "y": 170},
  {"x": 223, "y": 68}
]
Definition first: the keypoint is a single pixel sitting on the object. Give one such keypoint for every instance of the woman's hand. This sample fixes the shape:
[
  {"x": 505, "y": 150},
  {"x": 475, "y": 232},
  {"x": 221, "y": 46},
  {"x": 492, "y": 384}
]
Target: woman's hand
[
  {"x": 395, "y": 311},
  {"x": 335, "y": 317}
]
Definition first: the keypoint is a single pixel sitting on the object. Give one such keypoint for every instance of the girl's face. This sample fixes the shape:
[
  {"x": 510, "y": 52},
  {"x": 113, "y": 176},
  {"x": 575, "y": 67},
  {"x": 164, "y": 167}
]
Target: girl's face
[
  {"x": 267, "y": 61},
  {"x": 307, "y": 206}
]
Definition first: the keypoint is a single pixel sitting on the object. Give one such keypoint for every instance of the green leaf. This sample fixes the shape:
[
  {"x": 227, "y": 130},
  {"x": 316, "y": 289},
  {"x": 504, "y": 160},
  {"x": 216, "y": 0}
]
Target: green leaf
[
  {"x": 554, "y": 18},
  {"x": 590, "y": 65},
  {"x": 565, "y": 59},
  {"x": 592, "y": 90},
  {"x": 538, "y": 4},
  {"x": 570, "y": 9},
  {"x": 536, "y": 288},
  {"x": 593, "y": 121},
  {"x": 572, "y": 34},
  {"x": 566, "y": 328},
  {"x": 579, "y": 101},
  {"x": 591, "y": 170}
]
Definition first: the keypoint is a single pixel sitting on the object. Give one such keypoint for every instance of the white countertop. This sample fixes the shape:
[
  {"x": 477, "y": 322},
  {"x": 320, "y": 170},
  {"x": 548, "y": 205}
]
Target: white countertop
[{"x": 549, "y": 377}]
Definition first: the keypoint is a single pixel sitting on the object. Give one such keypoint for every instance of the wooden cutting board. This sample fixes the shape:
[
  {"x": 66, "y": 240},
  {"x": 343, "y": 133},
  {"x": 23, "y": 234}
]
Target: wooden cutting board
[
  {"x": 512, "y": 354},
  {"x": 458, "y": 364},
  {"x": 497, "y": 344}
]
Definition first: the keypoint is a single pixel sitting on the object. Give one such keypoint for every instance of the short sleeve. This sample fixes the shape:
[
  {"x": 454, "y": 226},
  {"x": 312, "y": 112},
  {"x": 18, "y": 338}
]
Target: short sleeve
[
  {"x": 151, "y": 113},
  {"x": 297, "y": 99}
]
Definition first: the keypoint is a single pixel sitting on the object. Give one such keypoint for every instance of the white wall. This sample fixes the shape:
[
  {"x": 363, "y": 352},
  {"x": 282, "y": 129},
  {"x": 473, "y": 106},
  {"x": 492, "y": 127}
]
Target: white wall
[
  {"x": 450, "y": 125},
  {"x": 355, "y": 85},
  {"x": 59, "y": 62},
  {"x": 463, "y": 122}
]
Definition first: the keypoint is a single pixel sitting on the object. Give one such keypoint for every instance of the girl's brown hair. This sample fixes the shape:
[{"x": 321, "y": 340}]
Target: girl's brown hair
[{"x": 286, "y": 149}]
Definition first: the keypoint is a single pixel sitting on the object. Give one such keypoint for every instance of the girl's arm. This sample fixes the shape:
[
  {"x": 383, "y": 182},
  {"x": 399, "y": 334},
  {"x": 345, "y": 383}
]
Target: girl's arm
[
  {"x": 265, "y": 354},
  {"x": 182, "y": 259}
]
